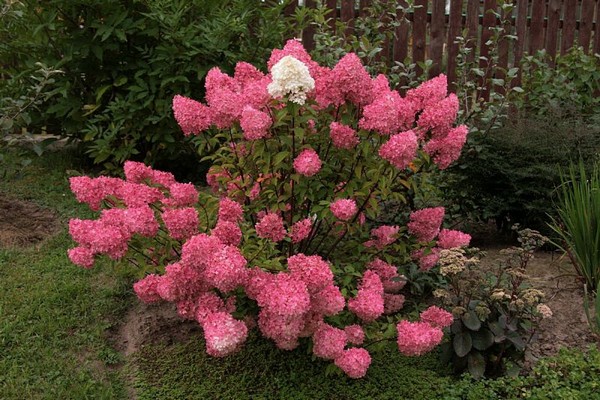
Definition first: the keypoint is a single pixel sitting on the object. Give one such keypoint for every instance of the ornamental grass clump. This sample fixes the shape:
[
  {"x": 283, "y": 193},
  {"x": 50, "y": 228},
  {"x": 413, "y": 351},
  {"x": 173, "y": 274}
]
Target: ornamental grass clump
[{"x": 284, "y": 241}]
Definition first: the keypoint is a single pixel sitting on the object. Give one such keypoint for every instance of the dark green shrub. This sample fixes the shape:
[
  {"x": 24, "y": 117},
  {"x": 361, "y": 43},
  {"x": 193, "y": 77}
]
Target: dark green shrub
[
  {"x": 125, "y": 59},
  {"x": 510, "y": 173}
]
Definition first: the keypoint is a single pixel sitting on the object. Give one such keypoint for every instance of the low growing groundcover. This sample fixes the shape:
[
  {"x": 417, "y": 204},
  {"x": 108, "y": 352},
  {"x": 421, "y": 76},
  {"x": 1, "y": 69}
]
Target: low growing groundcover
[{"x": 58, "y": 323}]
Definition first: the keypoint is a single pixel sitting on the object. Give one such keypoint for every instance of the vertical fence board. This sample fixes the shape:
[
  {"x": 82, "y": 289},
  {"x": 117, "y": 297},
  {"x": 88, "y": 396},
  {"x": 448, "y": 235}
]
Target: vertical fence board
[
  {"x": 290, "y": 8},
  {"x": 472, "y": 27},
  {"x": 552, "y": 29},
  {"x": 309, "y": 32},
  {"x": 454, "y": 30},
  {"x": 568, "y": 28},
  {"x": 362, "y": 7},
  {"x": 488, "y": 23},
  {"x": 438, "y": 30},
  {"x": 585, "y": 24},
  {"x": 503, "y": 46},
  {"x": 538, "y": 13},
  {"x": 347, "y": 14},
  {"x": 521, "y": 26},
  {"x": 332, "y": 16},
  {"x": 597, "y": 31},
  {"x": 401, "y": 39},
  {"x": 419, "y": 33}
]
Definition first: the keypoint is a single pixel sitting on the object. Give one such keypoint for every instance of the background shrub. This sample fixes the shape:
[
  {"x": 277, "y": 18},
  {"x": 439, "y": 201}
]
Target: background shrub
[{"x": 124, "y": 60}]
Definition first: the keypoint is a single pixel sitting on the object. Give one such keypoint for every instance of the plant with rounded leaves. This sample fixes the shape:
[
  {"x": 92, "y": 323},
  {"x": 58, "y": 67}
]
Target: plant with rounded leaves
[
  {"x": 496, "y": 312},
  {"x": 301, "y": 160}
]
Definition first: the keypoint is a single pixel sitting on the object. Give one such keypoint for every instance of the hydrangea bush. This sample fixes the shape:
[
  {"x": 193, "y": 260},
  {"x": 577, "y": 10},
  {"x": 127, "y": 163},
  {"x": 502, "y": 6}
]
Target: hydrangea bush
[{"x": 284, "y": 241}]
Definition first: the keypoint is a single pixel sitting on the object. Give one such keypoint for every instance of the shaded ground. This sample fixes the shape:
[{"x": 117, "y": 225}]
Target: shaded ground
[{"x": 23, "y": 223}]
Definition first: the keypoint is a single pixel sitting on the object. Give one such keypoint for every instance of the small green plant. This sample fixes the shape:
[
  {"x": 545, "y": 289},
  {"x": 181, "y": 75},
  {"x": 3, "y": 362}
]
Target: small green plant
[
  {"x": 578, "y": 222},
  {"x": 578, "y": 228},
  {"x": 496, "y": 312}
]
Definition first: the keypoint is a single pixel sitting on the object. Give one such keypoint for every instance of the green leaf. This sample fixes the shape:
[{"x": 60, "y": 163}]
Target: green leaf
[
  {"x": 462, "y": 344},
  {"x": 471, "y": 320},
  {"x": 482, "y": 339},
  {"x": 476, "y": 364}
]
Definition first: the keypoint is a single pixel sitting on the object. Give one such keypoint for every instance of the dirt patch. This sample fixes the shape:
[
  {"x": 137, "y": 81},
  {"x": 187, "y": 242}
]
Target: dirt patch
[
  {"x": 568, "y": 327},
  {"x": 153, "y": 324},
  {"x": 24, "y": 223}
]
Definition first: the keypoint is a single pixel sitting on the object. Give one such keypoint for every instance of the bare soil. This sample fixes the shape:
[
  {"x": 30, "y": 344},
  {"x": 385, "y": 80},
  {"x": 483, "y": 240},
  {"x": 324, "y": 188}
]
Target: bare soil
[
  {"x": 24, "y": 223},
  {"x": 553, "y": 273}
]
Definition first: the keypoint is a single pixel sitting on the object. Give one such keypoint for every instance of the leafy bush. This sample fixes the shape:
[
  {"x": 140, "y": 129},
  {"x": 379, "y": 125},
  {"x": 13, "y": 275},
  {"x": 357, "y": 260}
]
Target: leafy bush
[
  {"x": 566, "y": 88},
  {"x": 509, "y": 174},
  {"x": 124, "y": 60},
  {"x": 496, "y": 311},
  {"x": 301, "y": 160},
  {"x": 572, "y": 374}
]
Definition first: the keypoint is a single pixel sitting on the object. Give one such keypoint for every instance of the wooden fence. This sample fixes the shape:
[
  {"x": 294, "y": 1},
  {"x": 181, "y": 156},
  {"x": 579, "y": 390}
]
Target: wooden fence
[{"x": 430, "y": 31}]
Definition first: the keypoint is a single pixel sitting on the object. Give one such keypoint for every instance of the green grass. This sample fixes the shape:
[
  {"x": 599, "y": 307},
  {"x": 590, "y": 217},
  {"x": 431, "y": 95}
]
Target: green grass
[
  {"x": 260, "y": 371},
  {"x": 54, "y": 316}
]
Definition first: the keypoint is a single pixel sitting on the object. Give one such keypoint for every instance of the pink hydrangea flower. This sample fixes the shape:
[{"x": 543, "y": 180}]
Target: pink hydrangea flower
[
  {"x": 139, "y": 220},
  {"x": 186, "y": 309},
  {"x": 354, "y": 362},
  {"x": 93, "y": 191},
  {"x": 230, "y": 210},
  {"x": 228, "y": 232},
  {"x": 271, "y": 227},
  {"x": 180, "y": 282},
  {"x": 343, "y": 136},
  {"x": 223, "y": 97},
  {"x": 344, "y": 209},
  {"x": 329, "y": 301},
  {"x": 227, "y": 269},
  {"x": 388, "y": 114},
  {"x": 137, "y": 172},
  {"x": 295, "y": 49},
  {"x": 355, "y": 334},
  {"x": 429, "y": 92},
  {"x": 138, "y": 195},
  {"x": 439, "y": 117},
  {"x": 145, "y": 289},
  {"x": 98, "y": 237},
  {"x": 301, "y": 230},
  {"x": 224, "y": 334},
  {"x": 182, "y": 223},
  {"x": 425, "y": 223},
  {"x": 368, "y": 304},
  {"x": 329, "y": 342},
  {"x": 193, "y": 117},
  {"x": 353, "y": 80},
  {"x": 437, "y": 317},
  {"x": 208, "y": 303},
  {"x": 255, "y": 123},
  {"x": 284, "y": 294},
  {"x": 312, "y": 270},
  {"x": 426, "y": 261},
  {"x": 82, "y": 256},
  {"x": 383, "y": 236},
  {"x": 449, "y": 239},
  {"x": 392, "y": 303},
  {"x": 400, "y": 150},
  {"x": 246, "y": 73},
  {"x": 417, "y": 338},
  {"x": 447, "y": 150},
  {"x": 182, "y": 195},
  {"x": 283, "y": 329},
  {"x": 383, "y": 269},
  {"x": 197, "y": 252},
  {"x": 307, "y": 163}
]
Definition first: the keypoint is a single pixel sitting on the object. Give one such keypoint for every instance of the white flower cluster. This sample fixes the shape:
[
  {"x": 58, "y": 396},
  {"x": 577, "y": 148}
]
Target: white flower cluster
[{"x": 290, "y": 77}]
